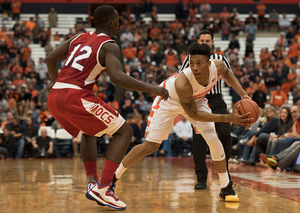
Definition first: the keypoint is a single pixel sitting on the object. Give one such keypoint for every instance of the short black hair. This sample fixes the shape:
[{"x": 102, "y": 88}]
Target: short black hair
[
  {"x": 103, "y": 14},
  {"x": 199, "y": 49},
  {"x": 205, "y": 32}
]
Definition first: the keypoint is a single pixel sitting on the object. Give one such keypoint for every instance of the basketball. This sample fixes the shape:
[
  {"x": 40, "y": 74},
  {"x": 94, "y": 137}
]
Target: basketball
[{"x": 248, "y": 105}]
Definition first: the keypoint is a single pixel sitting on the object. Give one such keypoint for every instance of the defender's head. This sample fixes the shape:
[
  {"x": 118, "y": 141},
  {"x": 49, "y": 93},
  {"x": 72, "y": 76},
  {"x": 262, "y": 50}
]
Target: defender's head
[{"x": 106, "y": 17}]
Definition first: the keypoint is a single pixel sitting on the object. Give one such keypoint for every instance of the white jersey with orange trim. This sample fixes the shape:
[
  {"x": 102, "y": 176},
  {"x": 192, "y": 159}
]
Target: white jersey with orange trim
[
  {"x": 199, "y": 90},
  {"x": 163, "y": 113}
]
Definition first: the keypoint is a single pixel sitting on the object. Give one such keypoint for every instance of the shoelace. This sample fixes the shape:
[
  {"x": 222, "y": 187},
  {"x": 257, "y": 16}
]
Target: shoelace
[{"x": 112, "y": 190}]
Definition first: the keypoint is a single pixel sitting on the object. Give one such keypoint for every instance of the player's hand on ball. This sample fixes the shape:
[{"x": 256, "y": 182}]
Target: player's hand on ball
[
  {"x": 241, "y": 120},
  {"x": 160, "y": 91},
  {"x": 245, "y": 97}
]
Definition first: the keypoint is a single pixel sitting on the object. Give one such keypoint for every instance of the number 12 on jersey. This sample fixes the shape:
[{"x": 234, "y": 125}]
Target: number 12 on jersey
[{"x": 84, "y": 55}]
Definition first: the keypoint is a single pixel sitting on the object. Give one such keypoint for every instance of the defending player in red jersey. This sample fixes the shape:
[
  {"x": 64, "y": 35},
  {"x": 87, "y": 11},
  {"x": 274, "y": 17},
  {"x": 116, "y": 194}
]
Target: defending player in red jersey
[{"x": 73, "y": 104}]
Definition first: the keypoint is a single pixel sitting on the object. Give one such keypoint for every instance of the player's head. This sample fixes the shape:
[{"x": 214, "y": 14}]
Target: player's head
[
  {"x": 199, "y": 59},
  {"x": 207, "y": 37},
  {"x": 106, "y": 17}
]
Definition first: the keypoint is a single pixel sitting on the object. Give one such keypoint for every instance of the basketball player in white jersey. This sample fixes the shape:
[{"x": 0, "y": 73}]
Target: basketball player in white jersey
[{"x": 187, "y": 92}]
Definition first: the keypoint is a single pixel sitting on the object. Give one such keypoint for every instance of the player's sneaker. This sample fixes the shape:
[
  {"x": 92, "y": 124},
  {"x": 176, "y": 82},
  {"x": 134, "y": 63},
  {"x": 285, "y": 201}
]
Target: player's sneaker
[
  {"x": 89, "y": 186},
  {"x": 228, "y": 194},
  {"x": 104, "y": 194}
]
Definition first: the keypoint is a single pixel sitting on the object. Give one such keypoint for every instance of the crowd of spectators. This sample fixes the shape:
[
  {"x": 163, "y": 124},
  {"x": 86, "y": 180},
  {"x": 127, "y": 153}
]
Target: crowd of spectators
[{"x": 152, "y": 52}]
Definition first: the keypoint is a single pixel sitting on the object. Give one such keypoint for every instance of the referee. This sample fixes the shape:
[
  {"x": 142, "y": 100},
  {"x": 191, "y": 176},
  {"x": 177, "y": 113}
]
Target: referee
[{"x": 217, "y": 105}]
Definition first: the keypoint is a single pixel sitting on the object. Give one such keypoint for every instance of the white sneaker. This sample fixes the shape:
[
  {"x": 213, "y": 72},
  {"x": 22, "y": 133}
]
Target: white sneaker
[{"x": 104, "y": 195}]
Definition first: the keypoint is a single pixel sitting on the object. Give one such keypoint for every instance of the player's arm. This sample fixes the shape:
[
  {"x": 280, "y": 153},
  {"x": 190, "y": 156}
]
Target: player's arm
[
  {"x": 110, "y": 58},
  {"x": 58, "y": 54},
  {"x": 185, "y": 93},
  {"x": 230, "y": 79}
]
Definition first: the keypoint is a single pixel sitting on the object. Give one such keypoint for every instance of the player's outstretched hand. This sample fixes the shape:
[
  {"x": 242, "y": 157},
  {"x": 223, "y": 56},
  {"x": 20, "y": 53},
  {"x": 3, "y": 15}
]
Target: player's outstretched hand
[
  {"x": 160, "y": 91},
  {"x": 241, "y": 120}
]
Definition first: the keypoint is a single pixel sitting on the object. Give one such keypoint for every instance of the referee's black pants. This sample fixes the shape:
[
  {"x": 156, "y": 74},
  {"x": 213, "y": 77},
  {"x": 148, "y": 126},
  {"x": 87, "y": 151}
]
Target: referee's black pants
[{"x": 218, "y": 106}]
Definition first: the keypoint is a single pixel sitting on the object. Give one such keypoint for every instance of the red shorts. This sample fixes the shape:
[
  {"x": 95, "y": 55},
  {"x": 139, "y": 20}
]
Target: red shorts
[{"x": 79, "y": 110}]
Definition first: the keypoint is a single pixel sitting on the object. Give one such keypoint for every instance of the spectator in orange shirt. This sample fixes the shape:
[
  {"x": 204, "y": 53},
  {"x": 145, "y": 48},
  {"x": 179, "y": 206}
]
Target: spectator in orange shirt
[
  {"x": 293, "y": 76},
  {"x": 155, "y": 32},
  {"x": 265, "y": 56},
  {"x": 17, "y": 68},
  {"x": 56, "y": 36},
  {"x": 171, "y": 59},
  {"x": 278, "y": 97},
  {"x": 250, "y": 90},
  {"x": 25, "y": 53},
  {"x": 18, "y": 80},
  {"x": 218, "y": 51},
  {"x": 129, "y": 52},
  {"x": 176, "y": 26},
  {"x": 261, "y": 9},
  {"x": 224, "y": 14},
  {"x": 293, "y": 51},
  {"x": 30, "y": 24},
  {"x": 16, "y": 9}
]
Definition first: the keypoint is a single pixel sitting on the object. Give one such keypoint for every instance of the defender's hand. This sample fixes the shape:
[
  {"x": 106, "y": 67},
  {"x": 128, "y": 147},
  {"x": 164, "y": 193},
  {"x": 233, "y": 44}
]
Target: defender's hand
[{"x": 160, "y": 91}]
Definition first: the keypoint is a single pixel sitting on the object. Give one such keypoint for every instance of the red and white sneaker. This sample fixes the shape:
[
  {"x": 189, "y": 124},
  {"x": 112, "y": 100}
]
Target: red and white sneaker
[
  {"x": 89, "y": 186},
  {"x": 104, "y": 195}
]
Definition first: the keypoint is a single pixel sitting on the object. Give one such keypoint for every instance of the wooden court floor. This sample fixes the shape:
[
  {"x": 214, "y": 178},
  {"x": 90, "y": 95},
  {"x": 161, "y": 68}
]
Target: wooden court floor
[{"x": 154, "y": 185}]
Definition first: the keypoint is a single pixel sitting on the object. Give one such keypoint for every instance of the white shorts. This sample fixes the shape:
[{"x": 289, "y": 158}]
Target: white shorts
[{"x": 163, "y": 113}]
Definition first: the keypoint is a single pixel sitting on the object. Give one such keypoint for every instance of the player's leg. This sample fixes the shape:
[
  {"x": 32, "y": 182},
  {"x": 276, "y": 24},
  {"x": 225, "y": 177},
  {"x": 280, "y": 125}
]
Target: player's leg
[
  {"x": 159, "y": 125},
  {"x": 218, "y": 156},
  {"x": 199, "y": 155},
  {"x": 81, "y": 110}
]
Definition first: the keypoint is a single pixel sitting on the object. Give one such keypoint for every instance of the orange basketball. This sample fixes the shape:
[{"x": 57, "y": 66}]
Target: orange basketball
[{"x": 248, "y": 105}]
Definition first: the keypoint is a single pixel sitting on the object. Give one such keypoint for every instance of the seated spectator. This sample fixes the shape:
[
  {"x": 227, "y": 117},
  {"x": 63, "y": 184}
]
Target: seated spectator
[
  {"x": 233, "y": 53},
  {"x": 17, "y": 132},
  {"x": 218, "y": 51},
  {"x": 30, "y": 133},
  {"x": 45, "y": 118},
  {"x": 249, "y": 18},
  {"x": 284, "y": 22},
  {"x": 184, "y": 133},
  {"x": 270, "y": 126},
  {"x": 292, "y": 135},
  {"x": 225, "y": 30},
  {"x": 126, "y": 104},
  {"x": 278, "y": 97},
  {"x": 142, "y": 106},
  {"x": 283, "y": 159},
  {"x": 293, "y": 77},
  {"x": 265, "y": 140},
  {"x": 290, "y": 35},
  {"x": 43, "y": 145},
  {"x": 282, "y": 41},
  {"x": 260, "y": 97},
  {"x": 273, "y": 19},
  {"x": 7, "y": 144},
  {"x": 224, "y": 15},
  {"x": 44, "y": 38}
]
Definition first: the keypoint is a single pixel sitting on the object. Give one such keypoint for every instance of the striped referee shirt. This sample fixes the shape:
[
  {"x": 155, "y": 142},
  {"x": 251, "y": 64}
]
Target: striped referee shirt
[{"x": 217, "y": 88}]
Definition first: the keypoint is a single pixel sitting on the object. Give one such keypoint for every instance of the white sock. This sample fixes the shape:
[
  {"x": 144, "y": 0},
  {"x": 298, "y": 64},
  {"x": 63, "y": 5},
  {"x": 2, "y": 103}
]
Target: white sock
[
  {"x": 120, "y": 170},
  {"x": 224, "y": 179}
]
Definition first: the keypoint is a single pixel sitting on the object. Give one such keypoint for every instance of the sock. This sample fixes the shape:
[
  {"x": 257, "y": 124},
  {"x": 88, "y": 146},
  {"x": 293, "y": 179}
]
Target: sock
[
  {"x": 108, "y": 172},
  {"x": 120, "y": 170},
  {"x": 224, "y": 179},
  {"x": 91, "y": 170}
]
